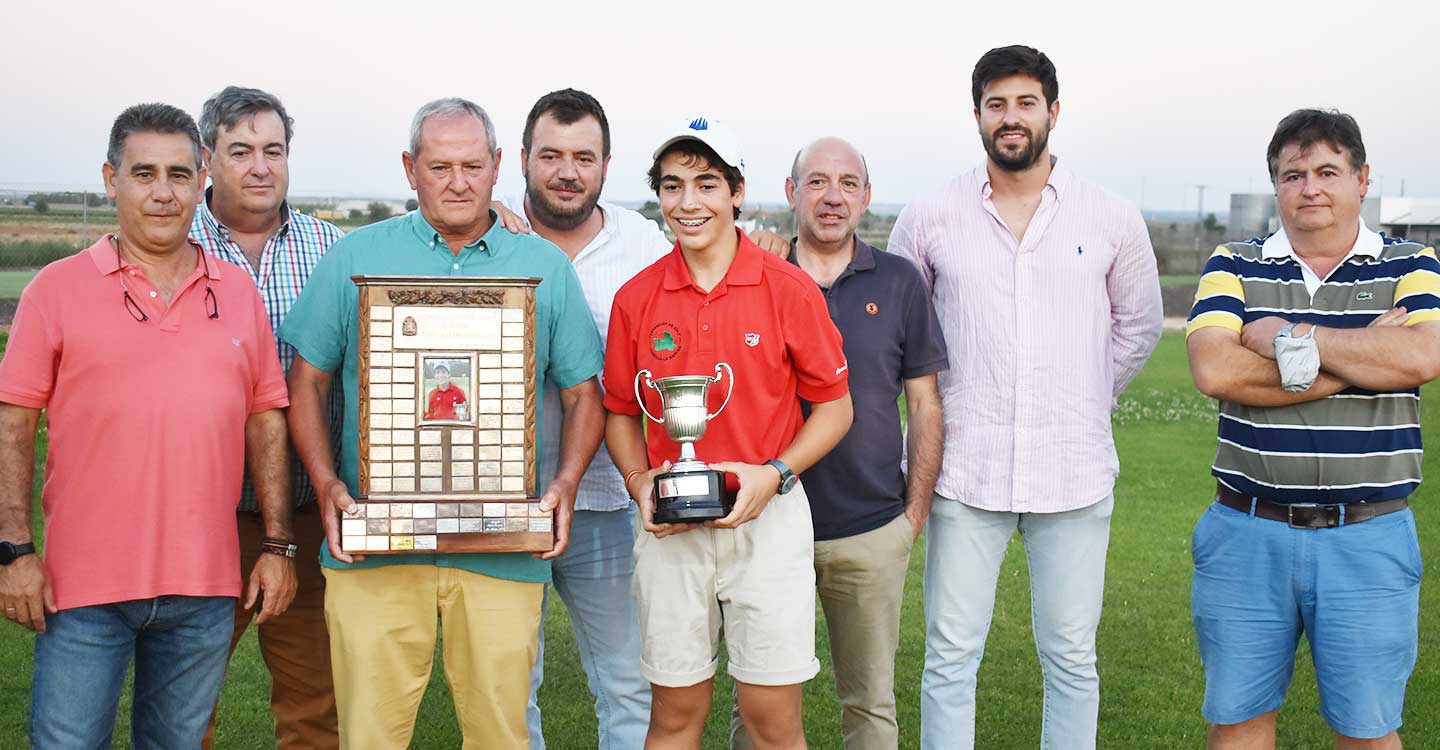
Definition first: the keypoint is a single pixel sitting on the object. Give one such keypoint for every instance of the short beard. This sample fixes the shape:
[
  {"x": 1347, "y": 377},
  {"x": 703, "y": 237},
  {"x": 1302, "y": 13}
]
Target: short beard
[
  {"x": 557, "y": 217},
  {"x": 1017, "y": 162}
]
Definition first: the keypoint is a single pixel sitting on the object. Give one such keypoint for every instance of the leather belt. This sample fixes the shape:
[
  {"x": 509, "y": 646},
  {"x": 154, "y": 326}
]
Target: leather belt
[{"x": 1309, "y": 515}]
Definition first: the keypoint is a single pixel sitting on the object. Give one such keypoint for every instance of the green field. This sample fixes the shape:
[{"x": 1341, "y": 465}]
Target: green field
[
  {"x": 1152, "y": 683},
  {"x": 12, "y": 282}
]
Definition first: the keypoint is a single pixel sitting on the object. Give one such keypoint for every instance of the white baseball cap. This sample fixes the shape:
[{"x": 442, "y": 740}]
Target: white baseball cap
[{"x": 710, "y": 132}]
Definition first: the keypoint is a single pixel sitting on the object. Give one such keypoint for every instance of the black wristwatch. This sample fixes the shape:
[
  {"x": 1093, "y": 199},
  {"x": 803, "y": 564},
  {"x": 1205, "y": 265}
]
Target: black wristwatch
[
  {"x": 787, "y": 477},
  {"x": 10, "y": 552}
]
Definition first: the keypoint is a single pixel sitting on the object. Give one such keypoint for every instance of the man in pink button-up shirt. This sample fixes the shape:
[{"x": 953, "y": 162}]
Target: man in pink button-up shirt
[{"x": 1047, "y": 292}]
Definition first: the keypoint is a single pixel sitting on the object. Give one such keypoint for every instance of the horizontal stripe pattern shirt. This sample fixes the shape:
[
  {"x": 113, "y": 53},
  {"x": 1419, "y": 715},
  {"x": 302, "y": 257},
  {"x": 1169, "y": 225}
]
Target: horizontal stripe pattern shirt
[
  {"x": 1044, "y": 334},
  {"x": 285, "y": 265},
  {"x": 1355, "y": 446}
]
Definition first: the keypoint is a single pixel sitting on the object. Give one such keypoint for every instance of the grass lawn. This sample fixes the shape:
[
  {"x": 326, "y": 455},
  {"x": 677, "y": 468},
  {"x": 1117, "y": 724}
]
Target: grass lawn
[
  {"x": 1148, "y": 662},
  {"x": 12, "y": 282},
  {"x": 1179, "y": 280}
]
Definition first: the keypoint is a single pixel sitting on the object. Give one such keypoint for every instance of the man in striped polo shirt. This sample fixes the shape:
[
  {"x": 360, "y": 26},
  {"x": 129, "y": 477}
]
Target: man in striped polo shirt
[
  {"x": 1316, "y": 341},
  {"x": 246, "y": 220}
]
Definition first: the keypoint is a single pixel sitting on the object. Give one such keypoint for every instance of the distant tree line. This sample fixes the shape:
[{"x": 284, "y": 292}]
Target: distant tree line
[{"x": 93, "y": 200}]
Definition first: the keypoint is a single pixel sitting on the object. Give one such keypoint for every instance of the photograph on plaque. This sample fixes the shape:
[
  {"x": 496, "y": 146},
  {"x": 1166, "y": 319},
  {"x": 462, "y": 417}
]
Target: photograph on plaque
[
  {"x": 448, "y": 416},
  {"x": 448, "y": 386}
]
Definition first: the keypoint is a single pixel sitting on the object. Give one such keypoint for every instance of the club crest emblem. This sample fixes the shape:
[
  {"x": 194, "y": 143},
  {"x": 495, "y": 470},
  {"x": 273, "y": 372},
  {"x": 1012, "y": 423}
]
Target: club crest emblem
[
  {"x": 752, "y": 339},
  {"x": 664, "y": 341}
]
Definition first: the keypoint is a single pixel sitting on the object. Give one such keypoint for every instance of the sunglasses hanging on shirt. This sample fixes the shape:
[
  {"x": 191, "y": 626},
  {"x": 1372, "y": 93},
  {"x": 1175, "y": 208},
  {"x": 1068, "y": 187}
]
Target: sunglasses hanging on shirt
[{"x": 212, "y": 304}]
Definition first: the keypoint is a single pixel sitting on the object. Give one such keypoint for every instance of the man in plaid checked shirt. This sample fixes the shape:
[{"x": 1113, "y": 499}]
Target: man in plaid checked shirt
[{"x": 246, "y": 220}]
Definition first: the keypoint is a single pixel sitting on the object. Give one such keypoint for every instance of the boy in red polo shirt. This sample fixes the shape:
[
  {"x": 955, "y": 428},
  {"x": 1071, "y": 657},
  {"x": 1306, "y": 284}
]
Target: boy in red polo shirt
[
  {"x": 718, "y": 298},
  {"x": 444, "y": 397}
]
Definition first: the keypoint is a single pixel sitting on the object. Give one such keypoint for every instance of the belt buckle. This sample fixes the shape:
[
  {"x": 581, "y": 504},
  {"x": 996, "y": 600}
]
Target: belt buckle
[{"x": 1290, "y": 517}]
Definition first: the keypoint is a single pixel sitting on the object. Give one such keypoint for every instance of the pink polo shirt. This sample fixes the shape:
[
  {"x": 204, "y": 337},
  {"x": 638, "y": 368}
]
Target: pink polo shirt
[{"x": 146, "y": 423}]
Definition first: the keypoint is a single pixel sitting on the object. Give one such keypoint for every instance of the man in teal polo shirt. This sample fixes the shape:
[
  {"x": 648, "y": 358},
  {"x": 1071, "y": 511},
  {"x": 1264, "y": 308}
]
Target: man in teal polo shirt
[{"x": 382, "y": 611}]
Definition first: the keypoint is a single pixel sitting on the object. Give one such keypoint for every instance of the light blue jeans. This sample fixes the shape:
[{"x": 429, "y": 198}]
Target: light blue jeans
[
  {"x": 593, "y": 579},
  {"x": 180, "y": 645},
  {"x": 1066, "y": 555}
]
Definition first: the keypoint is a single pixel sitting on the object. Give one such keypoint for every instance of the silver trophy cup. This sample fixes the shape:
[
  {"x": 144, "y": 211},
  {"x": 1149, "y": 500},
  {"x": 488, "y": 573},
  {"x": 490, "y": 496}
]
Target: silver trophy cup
[{"x": 691, "y": 491}]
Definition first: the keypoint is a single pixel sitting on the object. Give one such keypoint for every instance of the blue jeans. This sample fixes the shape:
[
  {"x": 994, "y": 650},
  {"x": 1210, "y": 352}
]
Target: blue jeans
[
  {"x": 1353, "y": 591},
  {"x": 1066, "y": 555},
  {"x": 180, "y": 645},
  {"x": 593, "y": 579}
]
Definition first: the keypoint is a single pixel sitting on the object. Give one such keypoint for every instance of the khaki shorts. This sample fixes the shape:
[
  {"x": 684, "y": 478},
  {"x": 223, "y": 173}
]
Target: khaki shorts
[{"x": 756, "y": 581}]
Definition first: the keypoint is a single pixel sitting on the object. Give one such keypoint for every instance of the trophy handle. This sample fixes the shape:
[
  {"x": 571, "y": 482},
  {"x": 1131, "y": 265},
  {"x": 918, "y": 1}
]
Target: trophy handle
[
  {"x": 728, "y": 393},
  {"x": 641, "y": 399}
]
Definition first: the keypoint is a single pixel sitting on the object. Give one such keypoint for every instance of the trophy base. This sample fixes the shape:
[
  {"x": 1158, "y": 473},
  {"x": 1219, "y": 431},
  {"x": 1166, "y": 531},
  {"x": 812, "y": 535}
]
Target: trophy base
[{"x": 691, "y": 496}]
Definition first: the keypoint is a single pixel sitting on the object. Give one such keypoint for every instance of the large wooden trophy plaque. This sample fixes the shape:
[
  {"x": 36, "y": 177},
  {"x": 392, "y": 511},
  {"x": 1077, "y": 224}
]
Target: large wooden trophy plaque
[{"x": 447, "y": 418}]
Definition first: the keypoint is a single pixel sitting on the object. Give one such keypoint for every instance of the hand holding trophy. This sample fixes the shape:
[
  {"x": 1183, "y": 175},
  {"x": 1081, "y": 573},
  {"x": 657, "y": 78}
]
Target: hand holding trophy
[{"x": 691, "y": 491}]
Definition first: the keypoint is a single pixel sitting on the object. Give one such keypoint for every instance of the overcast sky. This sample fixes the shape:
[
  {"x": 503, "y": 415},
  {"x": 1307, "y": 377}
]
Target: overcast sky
[{"x": 1155, "y": 97}]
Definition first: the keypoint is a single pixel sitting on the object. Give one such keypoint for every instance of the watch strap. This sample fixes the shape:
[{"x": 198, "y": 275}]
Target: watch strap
[
  {"x": 10, "y": 552},
  {"x": 787, "y": 477}
]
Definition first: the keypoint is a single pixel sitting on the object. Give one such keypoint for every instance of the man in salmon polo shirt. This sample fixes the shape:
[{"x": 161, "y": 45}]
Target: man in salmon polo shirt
[
  {"x": 157, "y": 371},
  {"x": 718, "y": 298}
]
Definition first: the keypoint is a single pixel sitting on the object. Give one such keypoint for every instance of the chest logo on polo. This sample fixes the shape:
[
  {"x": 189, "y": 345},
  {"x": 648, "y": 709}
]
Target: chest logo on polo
[
  {"x": 234, "y": 341},
  {"x": 1362, "y": 296},
  {"x": 664, "y": 341},
  {"x": 872, "y": 308},
  {"x": 752, "y": 339}
]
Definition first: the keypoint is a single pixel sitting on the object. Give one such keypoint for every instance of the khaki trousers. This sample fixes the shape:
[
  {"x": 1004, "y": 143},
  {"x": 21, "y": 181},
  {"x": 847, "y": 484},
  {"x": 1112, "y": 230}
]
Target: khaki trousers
[
  {"x": 295, "y": 645},
  {"x": 383, "y": 625},
  {"x": 861, "y": 582}
]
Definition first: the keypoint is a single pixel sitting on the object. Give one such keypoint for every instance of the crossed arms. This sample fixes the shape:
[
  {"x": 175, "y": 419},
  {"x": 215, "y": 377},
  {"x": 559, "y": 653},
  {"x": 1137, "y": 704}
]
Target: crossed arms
[{"x": 1239, "y": 366}]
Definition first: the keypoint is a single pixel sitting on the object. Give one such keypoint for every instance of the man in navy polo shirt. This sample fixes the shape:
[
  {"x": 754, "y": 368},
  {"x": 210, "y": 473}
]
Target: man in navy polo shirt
[{"x": 866, "y": 512}]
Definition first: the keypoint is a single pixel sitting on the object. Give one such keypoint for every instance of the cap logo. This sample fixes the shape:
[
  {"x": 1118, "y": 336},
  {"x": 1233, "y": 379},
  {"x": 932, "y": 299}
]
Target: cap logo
[
  {"x": 699, "y": 123},
  {"x": 872, "y": 308}
]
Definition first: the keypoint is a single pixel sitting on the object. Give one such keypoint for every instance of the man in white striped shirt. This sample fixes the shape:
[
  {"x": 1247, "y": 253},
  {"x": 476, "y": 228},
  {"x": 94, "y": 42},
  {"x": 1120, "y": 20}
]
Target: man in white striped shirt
[
  {"x": 1047, "y": 291},
  {"x": 566, "y": 149}
]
